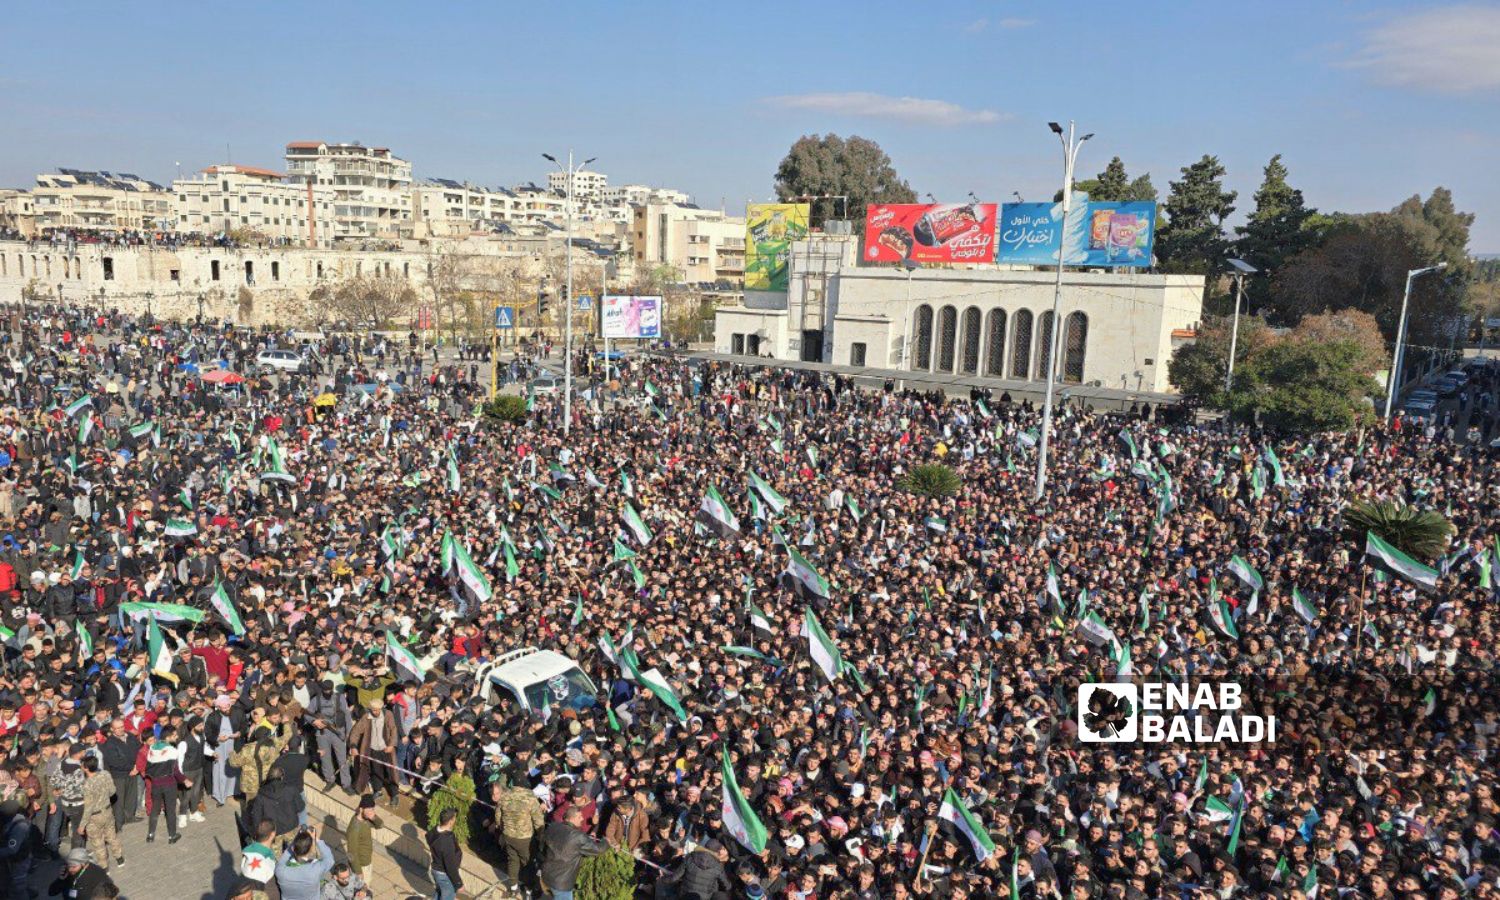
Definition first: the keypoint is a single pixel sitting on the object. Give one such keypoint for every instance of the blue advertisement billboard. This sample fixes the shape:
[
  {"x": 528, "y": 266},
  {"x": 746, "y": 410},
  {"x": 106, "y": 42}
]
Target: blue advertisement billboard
[{"x": 1099, "y": 234}]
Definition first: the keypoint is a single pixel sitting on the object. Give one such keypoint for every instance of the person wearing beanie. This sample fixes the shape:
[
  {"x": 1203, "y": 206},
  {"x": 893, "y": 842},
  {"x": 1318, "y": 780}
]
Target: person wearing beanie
[
  {"x": 359, "y": 836},
  {"x": 161, "y": 765},
  {"x": 81, "y": 878}
]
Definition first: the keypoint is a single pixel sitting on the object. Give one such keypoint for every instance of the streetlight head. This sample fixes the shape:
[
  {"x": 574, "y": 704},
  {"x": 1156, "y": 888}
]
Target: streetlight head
[
  {"x": 1244, "y": 268},
  {"x": 1085, "y": 137},
  {"x": 549, "y": 157},
  {"x": 1056, "y": 128},
  {"x": 589, "y": 160}
]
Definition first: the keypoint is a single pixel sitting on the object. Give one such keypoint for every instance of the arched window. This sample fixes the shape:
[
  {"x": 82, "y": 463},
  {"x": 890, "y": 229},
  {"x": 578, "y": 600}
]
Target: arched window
[
  {"x": 1020, "y": 345},
  {"x": 1043, "y": 344},
  {"x": 922, "y": 355},
  {"x": 994, "y": 354},
  {"x": 1075, "y": 341},
  {"x": 947, "y": 338},
  {"x": 969, "y": 365}
]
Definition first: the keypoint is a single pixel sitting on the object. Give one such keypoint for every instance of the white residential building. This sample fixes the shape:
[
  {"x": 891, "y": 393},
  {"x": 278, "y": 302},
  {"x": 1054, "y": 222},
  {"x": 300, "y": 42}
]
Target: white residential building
[
  {"x": 704, "y": 245},
  {"x": 588, "y": 187},
  {"x": 372, "y": 188},
  {"x": 640, "y": 195},
  {"x": 230, "y": 197},
  {"x": 100, "y": 201}
]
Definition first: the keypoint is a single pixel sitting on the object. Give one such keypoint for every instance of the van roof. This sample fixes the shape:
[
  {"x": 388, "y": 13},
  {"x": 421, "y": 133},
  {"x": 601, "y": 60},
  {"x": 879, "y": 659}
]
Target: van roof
[{"x": 530, "y": 668}]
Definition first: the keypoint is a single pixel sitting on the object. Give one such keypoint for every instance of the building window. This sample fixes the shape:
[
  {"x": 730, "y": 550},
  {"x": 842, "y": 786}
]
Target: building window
[
  {"x": 175, "y": 274},
  {"x": 994, "y": 354},
  {"x": 923, "y": 353},
  {"x": 109, "y": 268},
  {"x": 320, "y": 270},
  {"x": 856, "y": 354},
  {"x": 1075, "y": 340},
  {"x": 1044, "y": 346},
  {"x": 970, "y": 362},
  {"x": 947, "y": 338},
  {"x": 213, "y": 270},
  {"x": 1020, "y": 345},
  {"x": 736, "y": 343},
  {"x": 275, "y": 271},
  {"x": 752, "y": 344}
]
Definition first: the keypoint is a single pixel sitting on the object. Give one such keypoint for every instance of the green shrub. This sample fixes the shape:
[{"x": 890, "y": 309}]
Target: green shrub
[
  {"x": 931, "y": 480},
  {"x": 504, "y": 408},
  {"x": 608, "y": 876},
  {"x": 456, "y": 793}
]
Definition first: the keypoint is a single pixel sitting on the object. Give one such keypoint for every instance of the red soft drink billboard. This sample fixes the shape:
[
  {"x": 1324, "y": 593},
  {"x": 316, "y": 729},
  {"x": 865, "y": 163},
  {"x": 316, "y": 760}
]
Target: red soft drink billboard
[{"x": 930, "y": 233}]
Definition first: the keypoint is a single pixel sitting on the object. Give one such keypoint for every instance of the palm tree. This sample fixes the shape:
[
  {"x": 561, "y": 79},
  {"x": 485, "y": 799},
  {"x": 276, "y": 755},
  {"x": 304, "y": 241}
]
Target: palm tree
[
  {"x": 931, "y": 480},
  {"x": 1419, "y": 533}
]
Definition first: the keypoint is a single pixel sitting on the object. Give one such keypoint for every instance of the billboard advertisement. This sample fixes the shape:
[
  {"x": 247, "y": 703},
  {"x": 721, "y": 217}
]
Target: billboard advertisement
[
  {"x": 930, "y": 232},
  {"x": 1099, "y": 234},
  {"x": 770, "y": 229},
  {"x": 631, "y": 317}
]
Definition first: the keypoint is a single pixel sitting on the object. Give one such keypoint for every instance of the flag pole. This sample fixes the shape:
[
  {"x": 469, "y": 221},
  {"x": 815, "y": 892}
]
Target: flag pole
[
  {"x": 1359, "y": 634},
  {"x": 931, "y": 837}
]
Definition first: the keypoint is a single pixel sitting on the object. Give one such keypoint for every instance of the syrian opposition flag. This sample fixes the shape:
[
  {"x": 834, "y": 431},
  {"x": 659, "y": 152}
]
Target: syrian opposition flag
[
  {"x": 225, "y": 608},
  {"x": 455, "y": 481},
  {"x": 403, "y": 659},
  {"x": 767, "y": 493},
  {"x": 258, "y": 863},
  {"x": 758, "y": 619},
  {"x": 85, "y": 428},
  {"x": 140, "y": 431},
  {"x": 1218, "y": 613},
  {"x": 1216, "y": 810},
  {"x": 739, "y": 819},
  {"x": 716, "y": 516},
  {"x": 78, "y": 563},
  {"x": 475, "y": 584},
  {"x": 804, "y": 575},
  {"x": 1303, "y": 606},
  {"x": 637, "y": 525},
  {"x": 821, "y": 647},
  {"x": 1095, "y": 631},
  {"x": 1392, "y": 560},
  {"x": 276, "y": 465},
  {"x": 1246, "y": 573},
  {"x": 1122, "y": 665},
  {"x": 1053, "y": 590},
  {"x": 180, "y": 528},
  {"x": 953, "y": 810},
  {"x": 79, "y": 405},
  {"x": 165, "y": 612},
  {"x": 653, "y": 680},
  {"x": 445, "y": 553},
  {"x": 85, "y": 640},
  {"x": 158, "y": 652}
]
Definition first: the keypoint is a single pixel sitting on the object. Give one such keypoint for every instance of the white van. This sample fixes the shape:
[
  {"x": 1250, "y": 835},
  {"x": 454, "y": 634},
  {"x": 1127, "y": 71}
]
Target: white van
[{"x": 536, "y": 678}]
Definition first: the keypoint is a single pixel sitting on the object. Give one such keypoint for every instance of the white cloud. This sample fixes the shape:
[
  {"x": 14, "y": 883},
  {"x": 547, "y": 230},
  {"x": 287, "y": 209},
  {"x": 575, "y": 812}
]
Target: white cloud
[
  {"x": 913, "y": 110},
  {"x": 1014, "y": 22},
  {"x": 976, "y": 26},
  {"x": 1449, "y": 49}
]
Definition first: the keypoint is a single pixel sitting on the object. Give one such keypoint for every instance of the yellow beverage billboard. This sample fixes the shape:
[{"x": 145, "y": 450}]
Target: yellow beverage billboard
[{"x": 770, "y": 229}]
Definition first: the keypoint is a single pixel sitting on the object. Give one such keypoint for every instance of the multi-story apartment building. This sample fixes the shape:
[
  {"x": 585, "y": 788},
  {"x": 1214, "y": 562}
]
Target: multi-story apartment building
[
  {"x": 17, "y": 212},
  {"x": 640, "y": 195},
  {"x": 372, "y": 188},
  {"x": 229, "y": 197},
  {"x": 704, "y": 245},
  {"x": 588, "y": 187},
  {"x": 100, "y": 202}
]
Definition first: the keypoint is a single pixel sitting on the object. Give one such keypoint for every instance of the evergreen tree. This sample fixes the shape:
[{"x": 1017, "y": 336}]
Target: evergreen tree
[
  {"x": 1192, "y": 240},
  {"x": 1276, "y": 231},
  {"x": 1114, "y": 186}
]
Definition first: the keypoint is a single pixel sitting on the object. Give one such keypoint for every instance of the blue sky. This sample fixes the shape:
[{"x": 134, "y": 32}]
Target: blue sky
[{"x": 1369, "y": 102}]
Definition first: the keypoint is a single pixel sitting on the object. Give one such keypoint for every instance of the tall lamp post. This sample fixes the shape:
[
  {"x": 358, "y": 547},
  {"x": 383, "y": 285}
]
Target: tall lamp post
[
  {"x": 1070, "y": 157},
  {"x": 1241, "y": 269},
  {"x": 910, "y": 266},
  {"x": 571, "y": 172},
  {"x": 1399, "y": 357}
]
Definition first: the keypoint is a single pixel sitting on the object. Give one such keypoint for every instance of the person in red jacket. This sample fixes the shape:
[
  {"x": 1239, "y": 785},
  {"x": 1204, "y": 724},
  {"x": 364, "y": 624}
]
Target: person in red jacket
[{"x": 215, "y": 657}]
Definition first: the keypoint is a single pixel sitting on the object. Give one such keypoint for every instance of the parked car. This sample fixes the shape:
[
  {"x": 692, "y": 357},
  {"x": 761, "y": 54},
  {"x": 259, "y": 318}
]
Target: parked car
[
  {"x": 1420, "y": 407},
  {"x": 545, "y": 383},
  {"x": 280, "y": 361}
]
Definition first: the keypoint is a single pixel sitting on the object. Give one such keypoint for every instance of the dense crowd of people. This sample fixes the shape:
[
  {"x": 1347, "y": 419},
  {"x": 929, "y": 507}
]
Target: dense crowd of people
[{"x": 214, "y": 595}]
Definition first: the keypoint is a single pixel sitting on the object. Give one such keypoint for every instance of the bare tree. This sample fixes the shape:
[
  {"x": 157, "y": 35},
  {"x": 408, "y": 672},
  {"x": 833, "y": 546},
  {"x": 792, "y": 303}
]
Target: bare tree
[
  {"x": 372, "y": 299},
  {"x": 444, "y": 281}
]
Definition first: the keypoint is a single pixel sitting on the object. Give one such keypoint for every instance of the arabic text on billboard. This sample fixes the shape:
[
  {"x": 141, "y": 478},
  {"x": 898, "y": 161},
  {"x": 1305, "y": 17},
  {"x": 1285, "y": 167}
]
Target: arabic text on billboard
[
  {"x": 930, "y": 232},
  {"x": 770, "y": 229},
  {"x": 632, "y": 317},
  {"x": 1099, "y": 234}
]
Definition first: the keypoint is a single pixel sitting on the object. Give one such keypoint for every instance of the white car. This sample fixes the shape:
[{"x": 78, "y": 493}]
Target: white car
[
  {"x": 279, "y": 361},
  {"x": 536, "y": 679},
  {"x": 545, "y": 383},
  {"x": 1422, "y": 408}
]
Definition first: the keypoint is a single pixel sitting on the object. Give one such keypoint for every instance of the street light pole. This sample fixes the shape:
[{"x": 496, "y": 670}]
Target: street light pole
[
  {"x": 1070, "y": 157},
  {"x": 1241, "y": 269},
  {"x": 571, "y": 173},
  {"x": 1398, "y": 357},
  {"x": 910, "y": 267}
]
